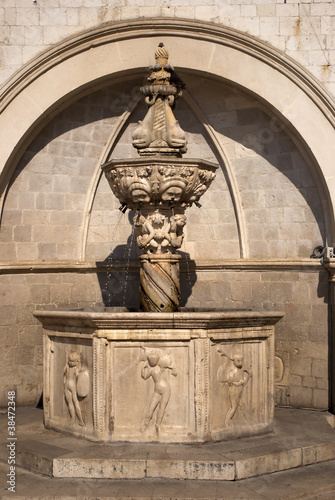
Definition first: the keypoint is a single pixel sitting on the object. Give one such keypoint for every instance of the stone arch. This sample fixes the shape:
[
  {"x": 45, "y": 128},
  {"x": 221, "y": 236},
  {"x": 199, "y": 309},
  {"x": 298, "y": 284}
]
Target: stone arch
[
  {"x": 118, "y": 53},
  {"x": 111, "y": 52}
]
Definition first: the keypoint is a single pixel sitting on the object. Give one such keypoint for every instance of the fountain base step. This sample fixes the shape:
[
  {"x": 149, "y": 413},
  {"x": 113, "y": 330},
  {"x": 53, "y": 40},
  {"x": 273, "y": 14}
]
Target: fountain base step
[{"x": 300, "y": 438}]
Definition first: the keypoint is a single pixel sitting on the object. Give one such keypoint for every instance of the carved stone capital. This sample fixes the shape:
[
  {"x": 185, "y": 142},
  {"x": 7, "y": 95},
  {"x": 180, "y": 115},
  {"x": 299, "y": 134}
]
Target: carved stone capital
[{"x": 159, "y": 232}]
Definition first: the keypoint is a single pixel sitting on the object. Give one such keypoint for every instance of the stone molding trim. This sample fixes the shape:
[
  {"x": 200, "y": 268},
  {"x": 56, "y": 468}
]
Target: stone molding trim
[
  {"x": 111, "y": 32},
  {"x": 303, "y": 265},
  {"x": 113, "y": 51}
]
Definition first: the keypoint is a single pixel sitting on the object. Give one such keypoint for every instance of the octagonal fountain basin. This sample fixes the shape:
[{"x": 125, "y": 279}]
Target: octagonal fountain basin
[{"x": 191, "y": 376}]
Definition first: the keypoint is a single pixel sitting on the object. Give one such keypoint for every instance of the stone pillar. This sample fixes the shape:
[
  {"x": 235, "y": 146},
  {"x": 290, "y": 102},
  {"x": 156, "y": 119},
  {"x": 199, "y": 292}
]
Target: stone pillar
[
  {"x": 160, "y": 185},
  {"x": 159, "y": 277},
  {"x": 329, "y": 263},
  {"x": 159, "y": 234}
]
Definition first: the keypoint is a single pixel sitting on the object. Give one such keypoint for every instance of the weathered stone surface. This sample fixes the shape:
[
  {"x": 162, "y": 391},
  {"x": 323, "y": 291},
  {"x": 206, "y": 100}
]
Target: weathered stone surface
[
  {"x": 54, "y": 454},
  {"x": 46, "y": 170},
  {"x": 192, "y": 377},
  {"x": 181, "y": 469},
  {"x": 267, "y": 464},
  {"x": 108, "y": 468},
  {"x": 314, "y": 454}
]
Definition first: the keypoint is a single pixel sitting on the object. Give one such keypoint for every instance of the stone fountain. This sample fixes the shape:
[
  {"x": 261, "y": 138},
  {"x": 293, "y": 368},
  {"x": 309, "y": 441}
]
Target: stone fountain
[{"x": 159, "y": 374}]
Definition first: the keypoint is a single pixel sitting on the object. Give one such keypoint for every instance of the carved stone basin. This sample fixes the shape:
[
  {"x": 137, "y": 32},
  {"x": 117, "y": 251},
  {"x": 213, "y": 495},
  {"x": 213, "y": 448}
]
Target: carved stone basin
[
  {"x": 153, "y": 90},
  {"x": 159, "y": 181},
  {"x": 165, "y": 377}
]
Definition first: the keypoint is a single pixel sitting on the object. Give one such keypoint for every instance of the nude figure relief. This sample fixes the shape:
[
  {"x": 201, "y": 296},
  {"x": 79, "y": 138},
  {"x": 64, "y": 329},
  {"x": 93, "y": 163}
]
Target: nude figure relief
[
  {"x": 157, "y": 364},
  {"x": 235, "y": 377},
  {"x": 76, "y": 385}
]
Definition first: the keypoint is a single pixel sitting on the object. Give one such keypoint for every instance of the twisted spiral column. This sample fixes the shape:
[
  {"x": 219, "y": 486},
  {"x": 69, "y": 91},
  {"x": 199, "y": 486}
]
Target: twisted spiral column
[
  {"x": 160, "y": 118},
  {"x": 159, "y": 277}
]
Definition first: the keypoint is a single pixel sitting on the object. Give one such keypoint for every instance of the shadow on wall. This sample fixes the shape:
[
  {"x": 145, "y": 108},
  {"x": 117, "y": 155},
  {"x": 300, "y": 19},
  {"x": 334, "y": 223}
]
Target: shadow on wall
[
  {"x": 119, "y": 280},
  {"x": 74, "y": 136},
  {"x": 119, "y": 275},
  {"x": 264, "y": 156},
  {"x": 323, "y": 287}
]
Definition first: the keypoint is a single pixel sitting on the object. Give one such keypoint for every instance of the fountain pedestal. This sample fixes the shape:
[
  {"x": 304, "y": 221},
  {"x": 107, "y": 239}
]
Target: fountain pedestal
[
  {"x": 166, "y": 377},
  {"x": 159, "y": 189}
]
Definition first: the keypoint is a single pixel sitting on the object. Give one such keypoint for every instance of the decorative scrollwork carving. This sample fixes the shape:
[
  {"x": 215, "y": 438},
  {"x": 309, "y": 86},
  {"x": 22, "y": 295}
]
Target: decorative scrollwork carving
[
  {"x": 158, "y": 233},
  {"x": 156, "y": 183}
]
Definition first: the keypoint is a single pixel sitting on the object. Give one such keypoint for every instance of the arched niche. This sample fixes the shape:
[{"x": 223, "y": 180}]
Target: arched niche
[
  {"x": 114, "y": 54},
  {"x": 120, "y": 51}
]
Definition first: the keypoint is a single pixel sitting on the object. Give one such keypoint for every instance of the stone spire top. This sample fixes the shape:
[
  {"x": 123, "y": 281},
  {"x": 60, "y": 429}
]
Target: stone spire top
[
  {"x": 159, "y": 134},
  {"x": 161, "y": 55}
]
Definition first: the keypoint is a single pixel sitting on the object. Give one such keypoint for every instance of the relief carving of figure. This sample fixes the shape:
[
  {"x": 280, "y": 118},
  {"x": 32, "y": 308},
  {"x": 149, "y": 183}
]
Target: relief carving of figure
[
  {"x": 142, "y": 135},
  {"x": 232, "y": 374},
  {"x": 76, "y": 383},
  {"x": 154, "y": 233},
  {"x": 178, "y": 222},
  {"x": 157, "y": 364},
  {"x": 175, "y": 135},
  {"x": 172, "y": 183}
]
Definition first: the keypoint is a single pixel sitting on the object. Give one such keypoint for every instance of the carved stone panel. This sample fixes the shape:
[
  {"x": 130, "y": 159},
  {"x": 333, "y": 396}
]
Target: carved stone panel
[
  {"x": 150, "y": 391},
  {"x": 99, "y": 384},
  {"x": 68, "y": 384},
  {"x": 202, "y": 386},
  {"x": 242, "y": 392}
]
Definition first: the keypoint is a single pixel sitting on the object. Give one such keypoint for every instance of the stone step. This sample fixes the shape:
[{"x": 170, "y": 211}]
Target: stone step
[{"x": 301, "y": 438}]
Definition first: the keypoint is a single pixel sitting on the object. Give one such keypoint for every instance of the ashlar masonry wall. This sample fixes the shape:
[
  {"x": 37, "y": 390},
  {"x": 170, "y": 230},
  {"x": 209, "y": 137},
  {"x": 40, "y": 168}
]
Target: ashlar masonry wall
[
  {"x": 303, "y": 29},
  {"x": 64, "y": 243}
]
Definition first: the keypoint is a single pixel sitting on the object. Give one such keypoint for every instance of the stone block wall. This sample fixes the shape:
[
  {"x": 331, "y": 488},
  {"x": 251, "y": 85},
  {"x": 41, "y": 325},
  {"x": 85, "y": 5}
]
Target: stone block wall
[
  {"x": 301, "y": 337},
  {"x": 304, "y": 30},
  {"x": 20, "y": 332},
  {"x": 64, "y": 243}
]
